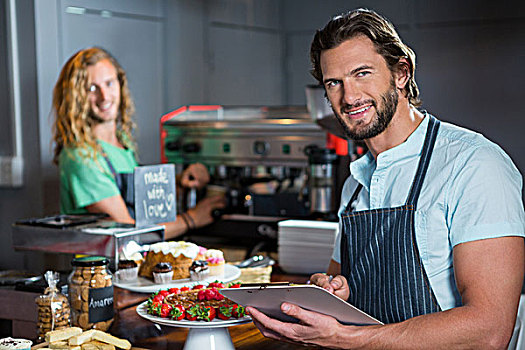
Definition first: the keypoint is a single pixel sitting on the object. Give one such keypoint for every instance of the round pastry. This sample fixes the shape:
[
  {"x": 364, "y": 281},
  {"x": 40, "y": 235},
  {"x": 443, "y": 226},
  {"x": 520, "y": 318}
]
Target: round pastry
[
  {"x": 179, "y": 254},
  {"x": 199, "y": 270},
  {"x": 132, "y": 251},
  {"x": 162, "y": 273},
  {"x": 215, "y": 260},
  {"x": 202, "y": 253},
  {"x": 127, "y": 270},
  {"x": 126, "y": 264}
]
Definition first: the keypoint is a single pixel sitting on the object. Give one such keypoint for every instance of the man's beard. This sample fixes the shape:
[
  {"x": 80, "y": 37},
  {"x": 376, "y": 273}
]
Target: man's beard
[
  {"x": 95, "y": 119},
  {"x": 389, "y": 101}
]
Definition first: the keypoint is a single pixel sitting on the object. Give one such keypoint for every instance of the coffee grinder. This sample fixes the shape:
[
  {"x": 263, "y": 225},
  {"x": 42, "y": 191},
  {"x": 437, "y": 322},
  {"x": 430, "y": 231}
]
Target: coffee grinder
[{"x": 321, "y": 181}]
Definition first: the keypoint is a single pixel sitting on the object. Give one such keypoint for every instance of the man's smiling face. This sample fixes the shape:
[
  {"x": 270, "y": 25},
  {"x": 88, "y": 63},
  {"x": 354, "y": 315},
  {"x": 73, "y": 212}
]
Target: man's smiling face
[
  {"x": 103, "y": 91},
  {"x": 360, "y": 87}
]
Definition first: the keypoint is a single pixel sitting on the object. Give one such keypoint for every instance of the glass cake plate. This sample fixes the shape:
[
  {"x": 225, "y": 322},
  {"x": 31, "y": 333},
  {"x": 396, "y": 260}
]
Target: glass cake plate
[
  {"x": 202, "y": 335},
  {"x": 142, "y": 310}
]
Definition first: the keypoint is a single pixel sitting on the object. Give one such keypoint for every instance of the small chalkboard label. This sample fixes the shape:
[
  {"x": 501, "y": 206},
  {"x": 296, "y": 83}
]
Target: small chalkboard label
[
  {"x": 155, "y": 194},
  {"x": 100, "y": 307}
]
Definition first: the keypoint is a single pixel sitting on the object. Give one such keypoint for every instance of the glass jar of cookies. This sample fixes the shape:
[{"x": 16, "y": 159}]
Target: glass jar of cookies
[{"x": 91, "y": 293}]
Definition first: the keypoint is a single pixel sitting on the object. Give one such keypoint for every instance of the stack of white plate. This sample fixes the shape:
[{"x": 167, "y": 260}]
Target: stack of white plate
[{"x": 304, "y": 246}]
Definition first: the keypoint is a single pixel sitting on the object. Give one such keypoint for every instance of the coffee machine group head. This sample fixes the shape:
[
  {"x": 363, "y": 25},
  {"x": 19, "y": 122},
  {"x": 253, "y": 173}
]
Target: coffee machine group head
[{"x": 321, "y": 180}]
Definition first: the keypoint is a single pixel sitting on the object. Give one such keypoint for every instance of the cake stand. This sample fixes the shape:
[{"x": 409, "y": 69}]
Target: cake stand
[{"x": 202, "y": 335}]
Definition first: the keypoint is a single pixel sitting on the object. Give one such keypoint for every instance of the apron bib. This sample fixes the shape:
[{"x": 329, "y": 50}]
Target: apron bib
[
  {"x": 380, "y": 257},
  {"x": 126, "y": 185}
]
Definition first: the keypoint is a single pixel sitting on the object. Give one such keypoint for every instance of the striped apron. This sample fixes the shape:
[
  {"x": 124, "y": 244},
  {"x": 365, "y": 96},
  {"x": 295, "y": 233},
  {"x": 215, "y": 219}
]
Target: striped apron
[{"x": 380, "y": 257}]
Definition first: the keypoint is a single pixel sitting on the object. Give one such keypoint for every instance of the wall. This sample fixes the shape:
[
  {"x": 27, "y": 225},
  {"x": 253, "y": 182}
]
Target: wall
[
  {"x": 227, "y": 52},
  {"x": 470, "y": 58},
  {"x": 185, "y": 53},
  {"x": 245, "y": 53},
  {"x": 6, "y": 142},
  {"x": 26, "y": 201}
]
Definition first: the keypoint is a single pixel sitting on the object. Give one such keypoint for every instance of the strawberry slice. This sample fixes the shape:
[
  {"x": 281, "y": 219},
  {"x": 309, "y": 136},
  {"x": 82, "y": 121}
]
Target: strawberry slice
[
  {"x": 201, "y": 295},
  {"x": 154, "y": 308},
  {"x": 165, "y": 310},
  {"x": 210, "y": 294},
  {"x": 225, "y": 312},
  {"x": 207, "y": 313},
  {"x": 216, "y": 284},
  {"x": 238, "y": 311},
  {"x": 192, "y": 313},
  {"x": 158, "y": 298},
  {"x": 218, "y": 296},
  {"x": 178, "y": 313}
]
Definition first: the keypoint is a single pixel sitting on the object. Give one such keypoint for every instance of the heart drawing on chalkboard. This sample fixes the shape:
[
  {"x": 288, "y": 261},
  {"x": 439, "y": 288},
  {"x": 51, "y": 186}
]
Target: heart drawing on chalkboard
[{"x": 170, "y": 200}]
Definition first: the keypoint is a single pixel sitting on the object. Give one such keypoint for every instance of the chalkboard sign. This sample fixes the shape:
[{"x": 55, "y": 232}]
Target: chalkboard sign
[
  {"x": 155, "y": 194},
  {"x": 100, "y": 304}
]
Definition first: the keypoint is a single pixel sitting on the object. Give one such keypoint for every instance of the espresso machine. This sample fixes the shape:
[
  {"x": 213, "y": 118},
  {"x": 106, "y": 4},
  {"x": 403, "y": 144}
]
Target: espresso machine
[
  {"x": 256, "y": 154},
  {"x": 260, "y": 156}
]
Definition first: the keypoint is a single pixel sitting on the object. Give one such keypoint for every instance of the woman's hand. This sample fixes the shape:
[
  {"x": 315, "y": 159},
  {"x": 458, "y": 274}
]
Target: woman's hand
[
  {"x": 201, "y": 214},
  {"x": 195, "y": 176}
]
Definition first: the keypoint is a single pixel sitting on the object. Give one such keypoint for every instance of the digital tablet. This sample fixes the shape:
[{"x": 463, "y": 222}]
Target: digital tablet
[{"x": 268, "y": 299}]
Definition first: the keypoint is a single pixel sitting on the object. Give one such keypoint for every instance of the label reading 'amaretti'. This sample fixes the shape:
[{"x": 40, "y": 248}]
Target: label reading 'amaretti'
[{"x": 100, "y": 304}]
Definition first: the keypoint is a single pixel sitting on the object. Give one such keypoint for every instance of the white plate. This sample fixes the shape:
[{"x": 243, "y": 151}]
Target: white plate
[
  {"x": 145, "y": 285},
  {"x": 302, "y": 270},
  {"x": 306, "y": 235},
  {"x": 305, "y": 245},
  {"x": 306, "y": 232},
  {"x": 309, "y": 224},
  {"x": 216, "y": 323},
  {"x": 306, "y": 261},
  {"x": 305, "y": 255}
]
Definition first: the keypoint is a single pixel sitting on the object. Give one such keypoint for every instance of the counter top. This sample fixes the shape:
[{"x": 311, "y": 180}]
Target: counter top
[{"x": 20, "y": 308}]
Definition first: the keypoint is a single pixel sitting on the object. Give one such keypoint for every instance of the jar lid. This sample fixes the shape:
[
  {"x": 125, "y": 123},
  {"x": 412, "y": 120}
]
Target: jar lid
[{"x": 88, "y": 261}]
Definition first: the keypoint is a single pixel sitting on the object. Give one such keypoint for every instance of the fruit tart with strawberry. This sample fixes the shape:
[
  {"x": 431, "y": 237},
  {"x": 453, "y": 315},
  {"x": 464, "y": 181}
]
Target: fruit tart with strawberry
[{"x": 198, "y": 303}]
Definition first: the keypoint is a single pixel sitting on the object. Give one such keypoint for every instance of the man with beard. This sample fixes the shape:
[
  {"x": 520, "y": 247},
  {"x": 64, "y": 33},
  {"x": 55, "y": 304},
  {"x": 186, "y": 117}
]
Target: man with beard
[
  {"x": 431, "y": 219},
  {"x": 94, "y": 147}
]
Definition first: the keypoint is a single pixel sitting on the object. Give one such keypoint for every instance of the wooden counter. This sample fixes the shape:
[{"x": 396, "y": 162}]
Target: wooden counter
[{"x": 19, "y": 307}]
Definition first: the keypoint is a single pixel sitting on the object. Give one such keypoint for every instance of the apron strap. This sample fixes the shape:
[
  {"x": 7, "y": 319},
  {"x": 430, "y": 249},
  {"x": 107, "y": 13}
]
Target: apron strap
[
  {"x": 125, "y": 186},
  {"x": 348, "y": 208},
  {"x": 426, "y": 153},
  {"x": 118, "y": 180}
]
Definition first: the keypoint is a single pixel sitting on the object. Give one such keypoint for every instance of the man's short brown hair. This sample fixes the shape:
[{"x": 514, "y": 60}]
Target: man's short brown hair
[{"x": 382, "y": 34}]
